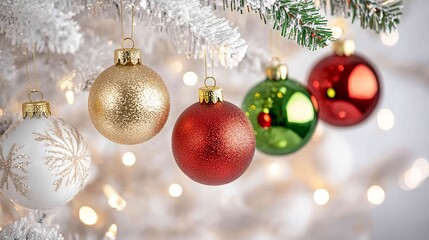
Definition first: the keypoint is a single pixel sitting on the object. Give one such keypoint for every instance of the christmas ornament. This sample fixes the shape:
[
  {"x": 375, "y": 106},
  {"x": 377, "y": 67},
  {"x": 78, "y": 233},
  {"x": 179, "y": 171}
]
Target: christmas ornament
[
  {"x": 281, "y": 112},
  {"x": 128, "y": 102},
  {"x": 213, "y": 142},
  {"x": 44, "y": 161},
  {"x": 345, "y": 85}
]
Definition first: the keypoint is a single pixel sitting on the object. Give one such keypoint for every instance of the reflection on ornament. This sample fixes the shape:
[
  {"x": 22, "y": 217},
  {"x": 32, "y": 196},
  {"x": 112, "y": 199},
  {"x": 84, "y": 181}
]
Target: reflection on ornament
[
  {"x": 44, "y": 161},
  {"x": 128, "y": 103},
  {"x": 345, "y": 85},
  {"x": 264, "y": 120},
  {"x": 213, "y": 141},
  {"x": 282, "y": 113}
]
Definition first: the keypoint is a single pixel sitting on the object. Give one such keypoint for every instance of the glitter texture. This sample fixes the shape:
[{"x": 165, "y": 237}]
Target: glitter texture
[
  {"x": 9, "y": 166},
  {"x": 129, "y": 104},
  {"x": 213, "y": 144},
  {"x": 68, "y": 155}
]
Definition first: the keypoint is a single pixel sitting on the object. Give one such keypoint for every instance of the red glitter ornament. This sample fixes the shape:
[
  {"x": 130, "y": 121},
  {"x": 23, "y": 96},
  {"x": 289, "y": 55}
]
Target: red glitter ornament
[
  {"x": 213, "y": 141},
  {"x": 346, "y": 87},
  {"x": 264, "y": 120}
]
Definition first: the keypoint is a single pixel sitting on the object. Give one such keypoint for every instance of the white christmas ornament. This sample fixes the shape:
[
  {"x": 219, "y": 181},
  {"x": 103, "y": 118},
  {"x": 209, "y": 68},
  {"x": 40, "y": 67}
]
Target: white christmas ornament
[{"x": 43, "y": 160}]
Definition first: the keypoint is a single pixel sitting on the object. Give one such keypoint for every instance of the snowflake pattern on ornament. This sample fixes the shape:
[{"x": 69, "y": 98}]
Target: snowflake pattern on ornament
[
  {"x": 10, "y": 166},
  {"x": 68, "y": 156}
]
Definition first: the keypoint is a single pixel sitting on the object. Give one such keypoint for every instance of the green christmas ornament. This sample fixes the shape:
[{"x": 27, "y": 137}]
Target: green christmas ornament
[{"x": 281, "y": 111}]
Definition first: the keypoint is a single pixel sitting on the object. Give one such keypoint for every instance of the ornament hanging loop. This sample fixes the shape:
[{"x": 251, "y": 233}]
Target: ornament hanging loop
[
  {"x": 210, "y": 94},
  {"x": 208, "y": 78},
  {"x": 206, "y": 67},
  {"x": 35, "y": 91},
  {"x": 122, "y": 26},
  {"x": 125, "y": 39}
]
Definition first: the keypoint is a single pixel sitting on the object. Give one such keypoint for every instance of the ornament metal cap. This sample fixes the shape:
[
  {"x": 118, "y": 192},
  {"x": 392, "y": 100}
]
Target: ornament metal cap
[
  {"x": 344, "y": 47},
  {"x": 277, "y": 72},
  {"x": 126, "y": 56},
  {"x": 210, "y": 94},
  {"x": 36, "y": 108}
]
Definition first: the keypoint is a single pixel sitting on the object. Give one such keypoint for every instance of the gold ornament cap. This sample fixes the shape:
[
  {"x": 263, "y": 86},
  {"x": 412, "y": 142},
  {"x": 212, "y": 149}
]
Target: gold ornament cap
[
  {"x": 344, "y": 47},
  {"x": 124, "y": 56},
  {"x": 277, "y": 72},
  {"x": 36, "y": 108},
  {"x": 210, "y": 94}
]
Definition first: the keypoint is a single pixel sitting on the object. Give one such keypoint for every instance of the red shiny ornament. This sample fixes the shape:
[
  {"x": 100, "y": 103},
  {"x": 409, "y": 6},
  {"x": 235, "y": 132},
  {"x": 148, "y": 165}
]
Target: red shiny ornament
[
  {"x": 264, "y": 120},
  {"x": 347, "y": 89},
  {"x": 213, "y": 144}
]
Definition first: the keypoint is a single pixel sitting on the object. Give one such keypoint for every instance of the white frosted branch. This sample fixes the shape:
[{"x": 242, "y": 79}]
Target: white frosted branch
[
  {"x": 26, "y": 229},
  {"x": 194, "y": 28},
  {"x": 40, "y": 22}
]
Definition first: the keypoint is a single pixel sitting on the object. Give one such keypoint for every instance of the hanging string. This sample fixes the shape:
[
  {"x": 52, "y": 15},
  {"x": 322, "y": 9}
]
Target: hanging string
[
  {"x": 271, "y": 41},
  {"x": 35, "y": 68},
  {"x": 275, "y": 49},
  {"x": 27, "y": 70},
  {"x": 206, "y": 69},
  {"x": 122, "y": 26}
]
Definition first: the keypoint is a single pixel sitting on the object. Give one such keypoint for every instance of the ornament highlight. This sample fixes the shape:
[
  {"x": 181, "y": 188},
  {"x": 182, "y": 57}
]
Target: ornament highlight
[
  {"x": 213, "y": 141},
  {"x": 281, "y": 112},
  {"x": 128, "y": 102},
  {"x": 346, "y": 86},
  {"x": 44, "y": 161}
]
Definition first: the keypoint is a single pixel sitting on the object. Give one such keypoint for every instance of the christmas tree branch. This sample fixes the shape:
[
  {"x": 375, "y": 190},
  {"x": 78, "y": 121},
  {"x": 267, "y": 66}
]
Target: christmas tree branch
[
  {"x": 296, "y": 19},
  {"x": 194, "y": 28},
  {"x": 380, "y": 16},
  {"x": 39, "y": 22}
]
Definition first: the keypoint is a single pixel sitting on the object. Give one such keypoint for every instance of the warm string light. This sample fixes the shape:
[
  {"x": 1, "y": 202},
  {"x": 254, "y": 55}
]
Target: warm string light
[
  {"x": 176, "y": 67},
  {"x": 385, "y": 119},
  {"x": 175, "y": 190},
  {"x": 413, "y": 177},
  {"x": 111, "y": 232},
  {"x": 70, "y": 97},
  {"x": 375, "y": 195},
  {"x": 128, "y": 159},
  {"x": 321, "y": 196},
  {"x": 113, "y": 198},
  {"x": 389, "y": 39},
  {"x": 1, "y": 112},
  {"x": 190, "y": 78},
  {"x": 274, "y": 169},
  {"x": 87, "y": 215},
  {"x": 338, "y": 28}
]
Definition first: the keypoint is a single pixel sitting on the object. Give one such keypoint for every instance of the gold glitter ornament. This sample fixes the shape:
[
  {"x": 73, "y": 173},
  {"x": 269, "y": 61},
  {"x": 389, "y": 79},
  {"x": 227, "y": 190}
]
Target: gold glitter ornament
[{"x": 128, "y": 102}]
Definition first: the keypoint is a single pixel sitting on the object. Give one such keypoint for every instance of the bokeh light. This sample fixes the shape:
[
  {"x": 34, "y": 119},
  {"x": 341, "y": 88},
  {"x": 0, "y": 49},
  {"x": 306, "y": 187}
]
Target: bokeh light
[
  {"x": 70, "y": 97},
  {"x": 190, "y": 78},
  {"x": 375, "y": 195},
  {"x": 128, "y": 159},
  {"x": 389, "y": 39},
  {"x": 175, "y": 190},
  {"x": 87, "y": 215},
  {"x": 385, "y": 119},
  {"x": 321, "y": 196}
]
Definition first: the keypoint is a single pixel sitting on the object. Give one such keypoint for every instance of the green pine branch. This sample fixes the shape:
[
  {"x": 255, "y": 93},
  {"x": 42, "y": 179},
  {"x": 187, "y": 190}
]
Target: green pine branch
[
  {"x": 297, "y": 20},
  {"x": 380, "y": 16}
]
